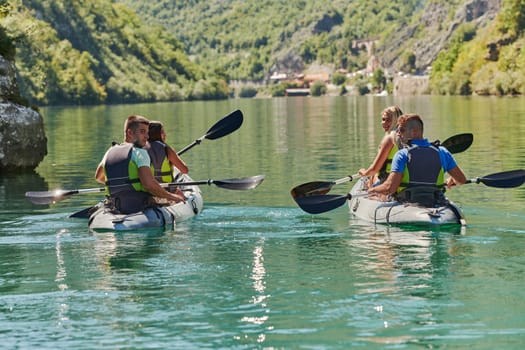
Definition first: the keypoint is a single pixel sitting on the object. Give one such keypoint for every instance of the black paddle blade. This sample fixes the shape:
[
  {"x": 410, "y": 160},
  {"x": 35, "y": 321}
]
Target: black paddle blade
[
  {"x": 458, "y": 143},
  {"x": 85, "y": 213},
  {"x": 318, "y": 204},
  {"x": 312, "y": 188},
  {"x": 506, "y": 179},
  {"x": 226, "y": 125},
  {"x": 240, "y": 184}
]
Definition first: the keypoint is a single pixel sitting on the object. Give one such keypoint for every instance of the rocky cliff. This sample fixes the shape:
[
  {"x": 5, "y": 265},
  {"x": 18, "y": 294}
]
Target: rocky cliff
[
  {"x": 435, "y": 26},
  {"x": 23, "y": 143}
]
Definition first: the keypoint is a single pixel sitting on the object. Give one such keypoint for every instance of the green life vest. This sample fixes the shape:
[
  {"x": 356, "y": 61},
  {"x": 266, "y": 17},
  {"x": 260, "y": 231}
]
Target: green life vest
[
  {"x": 387, "y": 165},
  {"x": 162, "y": 169}
]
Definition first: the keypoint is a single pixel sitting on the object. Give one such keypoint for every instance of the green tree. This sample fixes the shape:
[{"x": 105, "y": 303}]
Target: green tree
[
  {"x": 338, "y": 78},
  {"x": 378, "y": 79},
  {"x": 278, "y": 90},
  {"x": 94, "y": 52},
  {"x": 7, "y": 48},
  {"x": 318, "y": 88}
]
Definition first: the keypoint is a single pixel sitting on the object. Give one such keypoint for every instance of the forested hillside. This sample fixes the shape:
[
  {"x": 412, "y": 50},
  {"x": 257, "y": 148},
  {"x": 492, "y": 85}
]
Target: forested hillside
[
  {"x": 96, "y": 51},
  {"x": 120, "y": 51},
  {"x": 489, "y": 61},
  {"x": 250, "y": 40}
]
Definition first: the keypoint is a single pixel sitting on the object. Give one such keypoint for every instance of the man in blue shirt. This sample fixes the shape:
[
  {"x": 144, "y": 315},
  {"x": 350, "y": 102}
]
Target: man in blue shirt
[{"x": 421, "y": 165}]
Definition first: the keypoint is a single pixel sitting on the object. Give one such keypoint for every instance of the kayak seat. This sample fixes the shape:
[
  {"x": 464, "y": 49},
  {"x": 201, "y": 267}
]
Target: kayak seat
[{"x": 425, "y": 196}]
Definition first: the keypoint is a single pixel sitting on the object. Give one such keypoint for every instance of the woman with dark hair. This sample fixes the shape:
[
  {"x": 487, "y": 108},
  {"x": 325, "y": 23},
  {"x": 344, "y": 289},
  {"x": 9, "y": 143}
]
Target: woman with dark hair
[{"x": 163, "y": 157}]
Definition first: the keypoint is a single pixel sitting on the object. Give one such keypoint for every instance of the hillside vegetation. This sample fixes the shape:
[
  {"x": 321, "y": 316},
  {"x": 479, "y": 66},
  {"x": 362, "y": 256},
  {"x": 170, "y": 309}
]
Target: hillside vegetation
[
  {"x": 248, "y": 40},
  {"x": 472, "y": 46},
  {"x": 90, "y": 52},
  {"x": 487, "y": 62},
  {"x": 121, "y": 51}
]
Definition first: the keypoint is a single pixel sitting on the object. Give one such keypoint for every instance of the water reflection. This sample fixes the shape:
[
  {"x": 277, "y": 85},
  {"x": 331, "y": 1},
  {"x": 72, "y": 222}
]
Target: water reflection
[
  {"x": 126, "y": 251},
  {"x": 259, "y": 285},
  {"x": 405, "y": 272},
  {"x": 61, "y": 274},
  {"x": 258, "y": 271},
  {"x": 13, "y": 188},
  {"x": 60, "y": 279}
]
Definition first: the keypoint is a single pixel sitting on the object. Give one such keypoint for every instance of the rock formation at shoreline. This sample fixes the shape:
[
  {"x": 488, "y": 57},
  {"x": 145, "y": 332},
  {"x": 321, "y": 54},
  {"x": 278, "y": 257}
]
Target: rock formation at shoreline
[{"x": 23, "y": 143}]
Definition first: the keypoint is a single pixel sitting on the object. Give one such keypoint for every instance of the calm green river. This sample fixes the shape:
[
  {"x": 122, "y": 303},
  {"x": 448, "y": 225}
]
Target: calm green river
[{"x": 253, "y": 270}]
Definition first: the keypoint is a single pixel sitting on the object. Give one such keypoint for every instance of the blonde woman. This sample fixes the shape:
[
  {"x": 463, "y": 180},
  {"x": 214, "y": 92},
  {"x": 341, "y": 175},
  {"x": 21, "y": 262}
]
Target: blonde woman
[{"x": 380, "y": 167}]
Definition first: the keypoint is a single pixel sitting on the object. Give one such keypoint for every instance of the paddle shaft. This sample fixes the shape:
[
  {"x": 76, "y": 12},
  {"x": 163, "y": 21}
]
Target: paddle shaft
[
  {"x": 246, "y": 183},
  {"x": 191, "y": 145},
  {"x": 346, "y": 179},
  {"x": 48, "y": 197}
]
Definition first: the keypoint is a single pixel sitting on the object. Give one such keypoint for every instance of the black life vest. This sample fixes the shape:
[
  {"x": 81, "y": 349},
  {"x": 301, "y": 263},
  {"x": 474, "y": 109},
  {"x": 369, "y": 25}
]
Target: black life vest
[{"x": 123, "y": 186}]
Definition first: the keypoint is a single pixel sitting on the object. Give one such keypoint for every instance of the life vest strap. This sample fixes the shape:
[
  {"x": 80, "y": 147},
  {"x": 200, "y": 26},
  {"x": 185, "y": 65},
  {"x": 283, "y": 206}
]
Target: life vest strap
[
  {"x": 121, "y": 181},
  {"x": 162, "y": 173}
]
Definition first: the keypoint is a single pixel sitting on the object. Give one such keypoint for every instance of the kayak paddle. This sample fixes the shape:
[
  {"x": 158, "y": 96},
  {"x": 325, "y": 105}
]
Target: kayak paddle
[
  {"x": 319, "y": 187},
  {"x": 455, "y": 144},
  {"x": 50, "y": 197},
  {"x": 458, "y": 143},
  {"x": 317, "y": 204},
  {"x": 241, "y": 184},
  {"x": 223, "y": 127},
  {"x": 505, "y": 179}
]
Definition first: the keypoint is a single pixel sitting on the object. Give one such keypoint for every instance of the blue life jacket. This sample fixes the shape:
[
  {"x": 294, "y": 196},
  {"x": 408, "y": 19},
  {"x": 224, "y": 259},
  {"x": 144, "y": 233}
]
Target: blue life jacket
[{"x": 423, "y": 177}]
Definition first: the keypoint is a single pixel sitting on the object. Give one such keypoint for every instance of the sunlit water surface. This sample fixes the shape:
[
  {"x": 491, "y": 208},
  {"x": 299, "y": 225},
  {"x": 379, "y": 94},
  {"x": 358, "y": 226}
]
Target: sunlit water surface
[{"x": 253, "y": 270}]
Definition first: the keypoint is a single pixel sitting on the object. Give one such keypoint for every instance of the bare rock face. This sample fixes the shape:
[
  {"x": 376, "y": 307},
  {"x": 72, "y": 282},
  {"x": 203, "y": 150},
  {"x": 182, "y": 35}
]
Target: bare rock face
[
  {"x": 439, "y": 26},
  {"x": 23, "y": 143}
]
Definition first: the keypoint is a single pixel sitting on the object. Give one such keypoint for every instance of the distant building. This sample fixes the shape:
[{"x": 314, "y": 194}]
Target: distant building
[
  {"x": 297, "y": 92},
  {"x": 278, "y": 77},
  {"x": 310, "y": 78},
  {"x": 411, "y": 85}
]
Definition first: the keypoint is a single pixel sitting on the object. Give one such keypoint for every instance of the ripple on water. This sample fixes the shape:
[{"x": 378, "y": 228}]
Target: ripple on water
[{"x": 263, "y": 221}]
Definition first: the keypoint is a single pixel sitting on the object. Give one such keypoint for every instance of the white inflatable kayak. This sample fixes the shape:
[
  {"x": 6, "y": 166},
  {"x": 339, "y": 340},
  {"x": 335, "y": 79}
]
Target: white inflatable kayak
[
  {"x": 393, "y": 212},
  {"x": 103, "y": 219}
]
